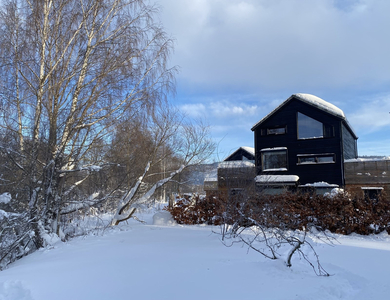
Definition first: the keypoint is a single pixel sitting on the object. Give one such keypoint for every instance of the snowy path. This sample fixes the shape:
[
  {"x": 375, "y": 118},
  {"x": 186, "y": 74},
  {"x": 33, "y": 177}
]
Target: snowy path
[{"x": 157, "y": 262}]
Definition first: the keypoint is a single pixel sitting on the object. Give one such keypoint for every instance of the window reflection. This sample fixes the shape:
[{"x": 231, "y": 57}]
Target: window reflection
[
  {"x": 274, "y": 160},
  {"x": 308, "y": 128}
]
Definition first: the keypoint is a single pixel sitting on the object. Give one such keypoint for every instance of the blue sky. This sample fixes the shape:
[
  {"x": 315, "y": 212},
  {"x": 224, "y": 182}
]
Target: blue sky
[{"x": 239, "y": 59}]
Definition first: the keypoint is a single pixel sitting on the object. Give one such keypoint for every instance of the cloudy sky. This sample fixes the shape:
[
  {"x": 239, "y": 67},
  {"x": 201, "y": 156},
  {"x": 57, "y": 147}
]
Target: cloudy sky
[{"x": 239, "y": 59}]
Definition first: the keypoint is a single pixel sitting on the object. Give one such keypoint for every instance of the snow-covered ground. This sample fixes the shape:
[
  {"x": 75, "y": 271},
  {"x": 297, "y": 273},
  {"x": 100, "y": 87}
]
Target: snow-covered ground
[{"x": 137, "y": 261}]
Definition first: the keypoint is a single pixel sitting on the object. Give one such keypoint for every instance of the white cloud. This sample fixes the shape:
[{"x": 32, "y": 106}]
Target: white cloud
[
  {"x": 372, "y": 114},
  {"x": 194, "y": 110},
  {"x": 220, "y": 109},
  {"x": 274, "y": 44},
  {"x": 265, "y": 50},
  {"x": 226, "y": 109}
]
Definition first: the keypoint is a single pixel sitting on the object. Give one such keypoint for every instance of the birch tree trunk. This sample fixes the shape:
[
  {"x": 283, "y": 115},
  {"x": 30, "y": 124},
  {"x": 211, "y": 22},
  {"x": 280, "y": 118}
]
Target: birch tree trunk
[{"x": 84, "y": 66}]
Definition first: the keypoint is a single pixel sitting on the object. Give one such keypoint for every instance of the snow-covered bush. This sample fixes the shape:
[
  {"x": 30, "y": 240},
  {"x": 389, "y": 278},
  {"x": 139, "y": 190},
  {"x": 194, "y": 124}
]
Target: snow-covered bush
[{"x": 15, "y": 237}]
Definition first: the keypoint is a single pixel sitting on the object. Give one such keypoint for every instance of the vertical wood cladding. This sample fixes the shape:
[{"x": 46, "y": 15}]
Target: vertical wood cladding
[
  {"x": 338, "y": 140},
  {"x": 349, "y": 144}
]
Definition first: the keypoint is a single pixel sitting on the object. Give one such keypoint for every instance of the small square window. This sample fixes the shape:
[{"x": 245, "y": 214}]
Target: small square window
[{"x": 279, "y": 130}]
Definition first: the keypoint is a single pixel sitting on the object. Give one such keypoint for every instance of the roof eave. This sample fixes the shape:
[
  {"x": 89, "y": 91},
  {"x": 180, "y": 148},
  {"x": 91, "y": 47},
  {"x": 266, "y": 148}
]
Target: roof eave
[
  {"x": 294, "y": 96},
  {"x": 271, "y": 113},
  {"x": 241, "y": 148}
]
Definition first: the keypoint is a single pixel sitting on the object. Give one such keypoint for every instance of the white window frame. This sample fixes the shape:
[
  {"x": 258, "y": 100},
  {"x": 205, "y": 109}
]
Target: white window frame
[{"x": 269, "y": 151}]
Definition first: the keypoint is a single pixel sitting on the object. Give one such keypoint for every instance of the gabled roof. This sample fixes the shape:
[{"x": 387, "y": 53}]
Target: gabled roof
[
  {"x": 249, "y": 150},
  {"x": 313, "y": 101}
]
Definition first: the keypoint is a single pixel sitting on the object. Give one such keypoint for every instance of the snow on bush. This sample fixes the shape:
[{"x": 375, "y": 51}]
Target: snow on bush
[
  {"x": 3, "y": 214},
  {"x": 5, "y": 198},
  {"x": 335, "y": 192},
  {"x": 163, "y": 218}
]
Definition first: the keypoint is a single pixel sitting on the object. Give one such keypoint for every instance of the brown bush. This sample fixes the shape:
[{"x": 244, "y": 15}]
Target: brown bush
[
  {"x": 197, "y": 210},
  {"x": 341, "y": 213}
]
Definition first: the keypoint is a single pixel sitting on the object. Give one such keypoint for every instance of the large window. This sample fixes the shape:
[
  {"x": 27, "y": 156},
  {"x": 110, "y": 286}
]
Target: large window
[
  {"x": 274, "y": 159},
  {"x": 308, "y": 128}
]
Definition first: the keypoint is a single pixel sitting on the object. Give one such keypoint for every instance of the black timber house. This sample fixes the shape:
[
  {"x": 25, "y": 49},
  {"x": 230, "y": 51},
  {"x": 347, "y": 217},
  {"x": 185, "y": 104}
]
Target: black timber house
[
  {"x": 307, "y": 137},
  {"x": 305, "y": 143}
]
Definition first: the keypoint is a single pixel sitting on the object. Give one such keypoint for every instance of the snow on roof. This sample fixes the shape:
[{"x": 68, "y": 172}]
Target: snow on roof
[
  {"x": 273, "y": 149},
  {"x": 322, "y": 184},
  {"x": 250, "y": 150},
  {"x": 364, "y": 159},
  {"x": 314, "y": 101},
  {"x": 276, "y": 178},
  {"x": 236, "y": 164},
  {"x": 322, "y": 104}
]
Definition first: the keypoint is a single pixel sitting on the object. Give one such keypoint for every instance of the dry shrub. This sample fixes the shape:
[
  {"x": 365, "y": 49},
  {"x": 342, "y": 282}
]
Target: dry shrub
[
  {"x": 197, "y": 210},
  {"x": 340, "y": 213}
]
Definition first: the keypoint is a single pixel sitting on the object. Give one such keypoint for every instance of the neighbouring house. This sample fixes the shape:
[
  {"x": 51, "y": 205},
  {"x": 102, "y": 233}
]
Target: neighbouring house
[
  {"x": 305, "y": 143},
  {"x": 368, "y": 175},
  {"x": 235, "y": 173},
  {"x": 242, "y": 154}
]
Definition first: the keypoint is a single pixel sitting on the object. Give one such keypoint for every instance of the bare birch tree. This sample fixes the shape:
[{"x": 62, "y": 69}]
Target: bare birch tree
[
  {"x": 74, "y": 68},
  {"x": 176, "y": 142}
]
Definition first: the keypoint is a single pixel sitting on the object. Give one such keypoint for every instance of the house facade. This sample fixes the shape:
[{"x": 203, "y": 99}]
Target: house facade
[
  {"x": 305, "y": 143},
  {"x": 235, "y": 173},
  {"x": 307, "y": 137}
]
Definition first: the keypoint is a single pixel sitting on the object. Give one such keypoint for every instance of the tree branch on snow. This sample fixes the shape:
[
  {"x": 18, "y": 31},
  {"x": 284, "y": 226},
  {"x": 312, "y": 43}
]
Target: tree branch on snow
[
  {"x": 129, "y": 198},
  {"x": 277, "y": 242},
  {"x": 83, "y": 204}
]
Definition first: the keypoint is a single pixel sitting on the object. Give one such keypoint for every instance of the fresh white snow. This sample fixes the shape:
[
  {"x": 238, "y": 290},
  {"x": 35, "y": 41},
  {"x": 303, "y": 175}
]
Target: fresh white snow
[
  {"x": 320, "y": 103},
  {"x": 251, "y": 150},
  {"x": 236, "y": 164},
  {"x": 276, "y": 178},
  {"x": 363, "y": 159},
  {"x": 273, "y": 149},
  {"x": 5, "y": 198},
  {"x": 149, "y": 262},
  {"x": 321, "y": 184}
]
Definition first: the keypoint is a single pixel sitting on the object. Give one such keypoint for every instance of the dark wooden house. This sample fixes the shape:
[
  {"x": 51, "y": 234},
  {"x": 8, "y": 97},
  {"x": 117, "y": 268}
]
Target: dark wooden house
[
  {"x": 234, "y": 174},
  {"x": 305, "y": 143},
  {"x": 369, "y": 177},
  {"x": 307, "y": 137},
  {"x": 242, "y": 154}
]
